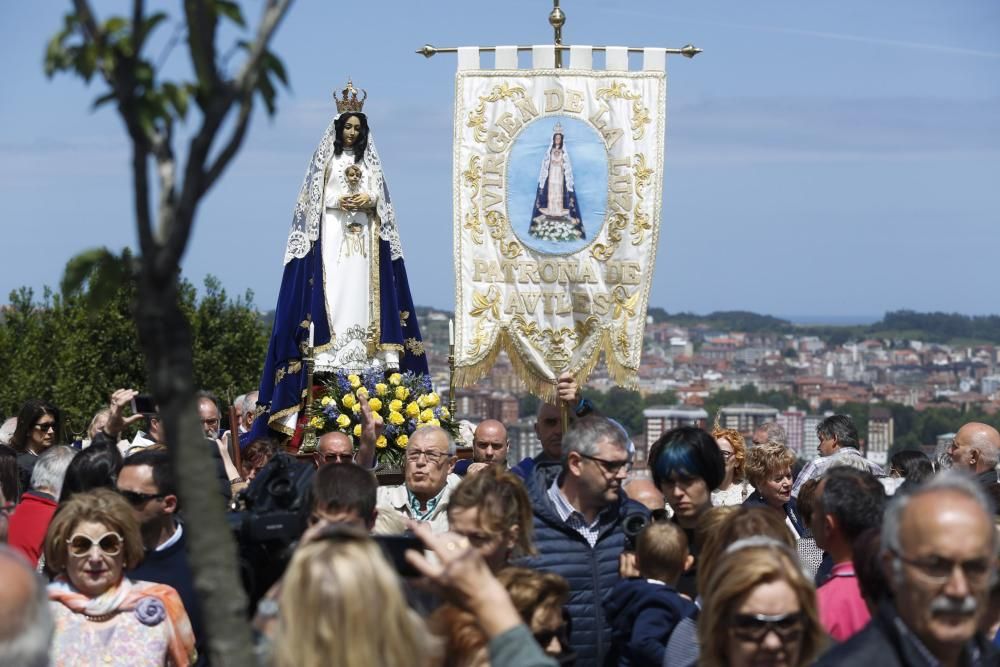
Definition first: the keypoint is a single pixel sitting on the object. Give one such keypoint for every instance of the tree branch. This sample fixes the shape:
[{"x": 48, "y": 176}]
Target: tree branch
[
  {"x": 86, "y": 15},
  {"x": 202, "y": 22},
  {"x": 274, "y": 11},
  {"x": 232, "y": 146}
]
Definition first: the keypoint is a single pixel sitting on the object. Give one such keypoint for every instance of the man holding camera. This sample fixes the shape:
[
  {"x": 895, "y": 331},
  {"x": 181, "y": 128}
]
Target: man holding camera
[{"x": 579, "y": 513}]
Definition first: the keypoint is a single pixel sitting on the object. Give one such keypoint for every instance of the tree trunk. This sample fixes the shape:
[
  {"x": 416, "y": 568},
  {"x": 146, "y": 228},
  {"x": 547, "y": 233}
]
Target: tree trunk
[{"x": 166, "y": 340}]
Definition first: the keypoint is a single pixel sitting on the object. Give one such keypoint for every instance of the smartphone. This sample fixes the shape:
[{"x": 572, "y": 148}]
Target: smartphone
[
  {"x": 143, "y": 404},
  {"x": 395, "y": 547}
]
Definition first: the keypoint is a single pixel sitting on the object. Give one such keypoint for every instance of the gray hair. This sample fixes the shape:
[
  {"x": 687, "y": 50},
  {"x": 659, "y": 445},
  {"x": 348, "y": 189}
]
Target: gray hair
[
  {"x": 249, "y": 403},
  {"x": 775, "y": 432},
  {"x": 585, "y": 434},
  {"x": 50, "y": 469},
  {"x": 840, "y": 427},
  {"x": 7, "y": 430},
  {"x": 425, "y": 431},
  {"x": 26, "y": 632},
  {"x": 948, "y": 481}
]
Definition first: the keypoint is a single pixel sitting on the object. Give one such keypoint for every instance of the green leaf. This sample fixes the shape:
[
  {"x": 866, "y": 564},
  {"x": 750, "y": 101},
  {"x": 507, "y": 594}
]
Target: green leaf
[
  {"x": 231, "y": 11},
  {"x": 266, "y": 91},
  {"x": 115, "y": 24},
  {"x": 79, "y": 268},
  {"x": 102, "y": 100},
  {"x": 177, "y": 97},
  {"x": 276, "y": 67}
]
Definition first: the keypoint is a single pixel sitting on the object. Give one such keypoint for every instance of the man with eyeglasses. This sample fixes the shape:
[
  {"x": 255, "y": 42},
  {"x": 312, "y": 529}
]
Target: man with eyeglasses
[
  {"x": 338, "y": 447},
  {"x": 939, "y": 551},
  {"x": 579, "y": 509},
  {"x": 430, "y": 459},
  {"x": 147, "y": 482}
]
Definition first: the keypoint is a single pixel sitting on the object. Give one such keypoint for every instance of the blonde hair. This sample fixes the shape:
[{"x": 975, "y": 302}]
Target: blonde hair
[
  {"x": 767, "y": 459},
  {"x": 739, "y": 444},
  {"x": 335, "y": 591},
  {"x": 736, "y": 576},
  {"x": 660, "y": 552},
  {"x": 733, "y": 524},
  {"x": 102, "y": 506},
  {"x": 502, "y": 501}
]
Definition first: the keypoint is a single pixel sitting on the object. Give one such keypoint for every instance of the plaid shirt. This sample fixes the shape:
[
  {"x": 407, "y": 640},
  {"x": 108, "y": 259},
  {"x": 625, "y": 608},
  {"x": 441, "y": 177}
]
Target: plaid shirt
[{"x": 572, "y": 518}]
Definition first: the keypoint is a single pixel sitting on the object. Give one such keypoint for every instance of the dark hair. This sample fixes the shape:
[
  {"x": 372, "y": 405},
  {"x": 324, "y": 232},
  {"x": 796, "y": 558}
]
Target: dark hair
[
  {"x": 30, "y": 413},
  {"x": 840, "y": 427},
  {"x": 346, "y": 487},
  {"x": 10, "y": 476},
  {"x": 258, "y": 453},
  {"x": 868, "y": 567},
  {"x": 95, "y": 467},
  {"x": 912, "y": 462},
  {"x": 805, "y": 503},
  {"x": 688, "y": 452},
  {"x": 854, "y": 497},
  {"x": 360, "y": 144},
  {"x": 560, "y": 135},
  {"x": 163, "y": 471}
]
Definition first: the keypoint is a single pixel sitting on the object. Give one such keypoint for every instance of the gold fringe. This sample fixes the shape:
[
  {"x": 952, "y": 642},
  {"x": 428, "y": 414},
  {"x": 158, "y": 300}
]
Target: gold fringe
[{"x": 273, "y": 420}]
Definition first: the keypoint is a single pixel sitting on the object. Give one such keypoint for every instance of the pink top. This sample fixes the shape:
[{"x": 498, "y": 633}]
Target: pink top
[
  {"x": 842, "y": 610},
  {"x": 121, "y": 641}
]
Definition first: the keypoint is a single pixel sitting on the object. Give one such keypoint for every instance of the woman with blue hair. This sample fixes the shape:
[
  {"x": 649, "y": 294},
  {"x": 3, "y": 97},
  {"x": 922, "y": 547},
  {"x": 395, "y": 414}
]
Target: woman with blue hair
[{"x": 687, "y": 466}]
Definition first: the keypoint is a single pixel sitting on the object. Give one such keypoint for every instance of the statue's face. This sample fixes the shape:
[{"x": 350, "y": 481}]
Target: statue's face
[
  {"x": 557, "y": 140},
  {"x": 352, "y": 129},
  {"x": 353, "y": 176}
]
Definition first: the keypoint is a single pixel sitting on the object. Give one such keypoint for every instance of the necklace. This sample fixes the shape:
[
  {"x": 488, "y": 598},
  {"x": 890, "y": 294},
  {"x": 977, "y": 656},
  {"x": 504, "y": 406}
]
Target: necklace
[{"x": 99, "y": 618}]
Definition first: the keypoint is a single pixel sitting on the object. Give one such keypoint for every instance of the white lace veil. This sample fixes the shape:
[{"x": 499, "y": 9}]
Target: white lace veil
[{"x": 309, "y": 206}]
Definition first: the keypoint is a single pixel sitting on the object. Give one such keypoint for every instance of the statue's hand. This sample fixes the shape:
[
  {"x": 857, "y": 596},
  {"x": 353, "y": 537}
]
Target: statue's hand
[{"x": 362, "y": 200}]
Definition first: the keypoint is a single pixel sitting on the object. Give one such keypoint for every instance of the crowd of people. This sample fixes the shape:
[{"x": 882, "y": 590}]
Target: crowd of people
[{"x": 722, "y": 553}]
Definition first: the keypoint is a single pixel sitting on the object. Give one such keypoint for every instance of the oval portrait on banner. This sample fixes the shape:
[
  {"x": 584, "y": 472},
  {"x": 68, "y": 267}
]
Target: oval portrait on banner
[{"x": 557, "y": 179}]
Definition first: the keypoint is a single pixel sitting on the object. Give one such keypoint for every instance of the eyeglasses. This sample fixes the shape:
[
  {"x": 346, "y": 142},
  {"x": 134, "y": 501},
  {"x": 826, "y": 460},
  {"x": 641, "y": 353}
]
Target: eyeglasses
[
  {"x": 338, "y": 458},
  {"x": 939, "y": 570},
  {"x": 754, "y": 627},
  {"x": 135, "y": 498},
  {"x": 46, "y": 426},
  {"x": 612, "y": 467},
  {"x": 80, "y": 545},
  {"x": 433, "y": 457}
]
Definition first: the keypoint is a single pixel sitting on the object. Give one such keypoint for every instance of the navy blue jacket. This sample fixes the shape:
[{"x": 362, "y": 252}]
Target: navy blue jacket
[
  {"x": 792, "y": 512},
  {"x": 642, "y": 615},
  {"x": 590, "y": 571}
]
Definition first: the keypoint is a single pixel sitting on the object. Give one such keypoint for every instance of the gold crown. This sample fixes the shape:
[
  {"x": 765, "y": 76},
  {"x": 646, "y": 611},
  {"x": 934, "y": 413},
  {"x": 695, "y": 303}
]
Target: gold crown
[{"x": 350, "y": 101}]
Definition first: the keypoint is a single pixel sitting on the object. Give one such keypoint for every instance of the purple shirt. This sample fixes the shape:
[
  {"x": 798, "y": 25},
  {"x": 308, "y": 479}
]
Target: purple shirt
[{"x": 842, "y": 610}]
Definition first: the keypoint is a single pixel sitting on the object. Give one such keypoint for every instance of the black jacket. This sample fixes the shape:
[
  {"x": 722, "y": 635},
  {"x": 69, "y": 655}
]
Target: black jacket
[{"x": 642, "y": 615}]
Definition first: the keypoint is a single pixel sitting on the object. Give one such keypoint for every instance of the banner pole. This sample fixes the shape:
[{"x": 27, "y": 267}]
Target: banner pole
[{"x": 557, "y": 19}]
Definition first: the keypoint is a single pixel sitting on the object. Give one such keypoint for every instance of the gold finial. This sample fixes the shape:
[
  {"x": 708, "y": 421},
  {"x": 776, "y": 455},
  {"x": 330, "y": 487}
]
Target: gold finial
[
  {"x": 557, "y": 19},
  {"x": 349, "y": 101}
]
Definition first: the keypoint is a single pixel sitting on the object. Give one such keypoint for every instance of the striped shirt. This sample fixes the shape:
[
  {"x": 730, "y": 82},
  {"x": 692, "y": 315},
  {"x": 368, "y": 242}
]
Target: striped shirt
[{"x": 573, "y": 518}]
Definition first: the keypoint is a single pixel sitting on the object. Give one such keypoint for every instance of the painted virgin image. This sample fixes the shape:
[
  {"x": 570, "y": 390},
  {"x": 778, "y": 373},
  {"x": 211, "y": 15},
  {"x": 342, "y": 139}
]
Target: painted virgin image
[{"x": 556, "y": 212}]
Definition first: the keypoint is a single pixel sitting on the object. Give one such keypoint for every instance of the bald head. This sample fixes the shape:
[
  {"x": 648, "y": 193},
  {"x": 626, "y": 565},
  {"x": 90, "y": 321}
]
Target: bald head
[
  {"x": 489, "y": 443},
  {"x": 643, "y": 491},
  {"x": 25, "y": 623},
  {"x": 976, "y": 448},
  {"x": 334, "y": 447}
]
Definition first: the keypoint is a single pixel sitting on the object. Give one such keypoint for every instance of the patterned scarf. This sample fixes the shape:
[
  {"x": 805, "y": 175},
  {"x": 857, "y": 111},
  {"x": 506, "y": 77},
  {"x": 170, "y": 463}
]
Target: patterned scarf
[{"x": 152, "y": 604}]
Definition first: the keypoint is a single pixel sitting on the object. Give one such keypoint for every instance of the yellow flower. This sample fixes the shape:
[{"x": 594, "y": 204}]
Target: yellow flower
[
  {"x": 433, "y": 422},
  {"x": 381, "y": 442},
  {"x": 445, "y": 414},
  {"x": 357, "y": 430},
  {"x": 377, "y": 418},
  {"x": 381, "y": 388},
  {"x": 422, "y": 401},
  {"x": 395, "y": 379},
  {"x": 356, "y": 408},
  {"x": 402, "y": 440},
  {"x": 349, "y": 401},
  {"x": 317, "y": 422},
  {"x": 396, "y": 405},
  {"x": 326, "y": 400},
  {"x": 402, "y": 393},
  {"x": 362, "y": 391},
  {"x": 432, "y": 400},
  {"x": 354, "y": 380},
  {"x": 395, "y": 418},
  {"x": 375, "y": 404},
  {"x": 412, "y": 410},
  {"x": 427, "y": 415},
  {"x": 343, "y": 421}
]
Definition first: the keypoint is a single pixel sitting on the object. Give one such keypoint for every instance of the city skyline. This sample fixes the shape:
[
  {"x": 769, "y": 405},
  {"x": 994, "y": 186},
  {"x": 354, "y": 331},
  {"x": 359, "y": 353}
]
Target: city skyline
[{"x": 823, "y": 162}]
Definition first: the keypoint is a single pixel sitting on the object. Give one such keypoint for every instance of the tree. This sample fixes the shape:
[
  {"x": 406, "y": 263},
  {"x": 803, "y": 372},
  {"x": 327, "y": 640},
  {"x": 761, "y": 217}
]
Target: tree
[{"x": 151, "y": 110}]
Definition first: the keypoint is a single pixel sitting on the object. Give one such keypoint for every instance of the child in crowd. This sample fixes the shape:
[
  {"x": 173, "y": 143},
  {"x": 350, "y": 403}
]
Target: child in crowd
[{"x": 644, "y": 610}]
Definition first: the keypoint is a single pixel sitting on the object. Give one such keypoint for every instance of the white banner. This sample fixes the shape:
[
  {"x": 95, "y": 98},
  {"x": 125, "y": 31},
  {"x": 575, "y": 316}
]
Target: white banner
[{"x": 557, "y": 189}]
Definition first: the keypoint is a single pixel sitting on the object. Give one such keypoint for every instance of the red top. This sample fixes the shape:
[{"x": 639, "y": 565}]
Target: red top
[
  {"x": 29, "y": 522},
  {"x": 842, "y": 610}
]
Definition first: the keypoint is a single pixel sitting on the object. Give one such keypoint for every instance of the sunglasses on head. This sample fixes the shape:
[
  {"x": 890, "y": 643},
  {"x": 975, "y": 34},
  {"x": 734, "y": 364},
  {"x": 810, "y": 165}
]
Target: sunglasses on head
[
  {"x": 110, "y": 543},
  {"x": 754, "y": 627}
]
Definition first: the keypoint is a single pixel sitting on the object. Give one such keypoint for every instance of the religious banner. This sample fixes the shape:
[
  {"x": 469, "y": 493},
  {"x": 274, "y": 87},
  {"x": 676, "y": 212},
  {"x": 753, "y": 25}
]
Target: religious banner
[{"x": 557, "y": 195}]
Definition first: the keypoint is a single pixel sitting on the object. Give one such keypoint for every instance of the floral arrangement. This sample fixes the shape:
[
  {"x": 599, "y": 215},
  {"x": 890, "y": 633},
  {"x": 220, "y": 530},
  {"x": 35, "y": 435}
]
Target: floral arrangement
[{"x": 400, "y": 404}]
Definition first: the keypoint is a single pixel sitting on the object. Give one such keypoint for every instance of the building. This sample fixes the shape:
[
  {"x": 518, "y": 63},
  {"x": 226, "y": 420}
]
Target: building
[
  {"x": 810, "y": 441},
  {"x": 793, "y": 421},
  {"x": 658, "y": 420},
  {"x": 524, "y": 443},
  {"x": 880, "y": 435},
  {"x": 746, "y": 417}
]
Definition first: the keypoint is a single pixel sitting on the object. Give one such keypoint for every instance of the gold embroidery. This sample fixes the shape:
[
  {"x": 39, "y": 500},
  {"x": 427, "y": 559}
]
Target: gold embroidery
[
  {"x": 497, "y": 224},
  {"x": 640, "y": 114},
  {"x": 403, "y": 316},
  {"x": 477, "y": 118},
  {"x": 415, "y": 347},
  {"x": 472, "y": 175},
  {"x": 602, "y": 252},
  {"x": 483, "y": 303}
]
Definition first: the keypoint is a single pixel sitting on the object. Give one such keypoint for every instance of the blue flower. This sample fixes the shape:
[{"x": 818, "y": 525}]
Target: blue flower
[{"x": 150, "y": 611}]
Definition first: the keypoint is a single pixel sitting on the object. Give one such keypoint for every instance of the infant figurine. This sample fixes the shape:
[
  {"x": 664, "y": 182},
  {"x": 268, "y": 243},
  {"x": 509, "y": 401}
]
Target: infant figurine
[{"x": 353, "y": 238}]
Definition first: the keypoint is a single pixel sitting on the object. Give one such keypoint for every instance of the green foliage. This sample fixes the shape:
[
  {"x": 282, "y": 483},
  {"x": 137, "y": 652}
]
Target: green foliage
[{"x": 60, "y": 349}]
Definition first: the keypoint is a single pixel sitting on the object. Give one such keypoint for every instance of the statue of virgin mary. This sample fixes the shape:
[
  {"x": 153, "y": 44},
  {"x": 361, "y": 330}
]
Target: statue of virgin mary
[
  {"x": 344, "y": 281},
  {"x": 556, "y": 212}
]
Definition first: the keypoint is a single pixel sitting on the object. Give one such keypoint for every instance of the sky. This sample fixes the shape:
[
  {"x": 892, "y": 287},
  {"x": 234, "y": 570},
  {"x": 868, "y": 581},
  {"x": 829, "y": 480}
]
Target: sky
[{"x": 822, "y": 159}]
